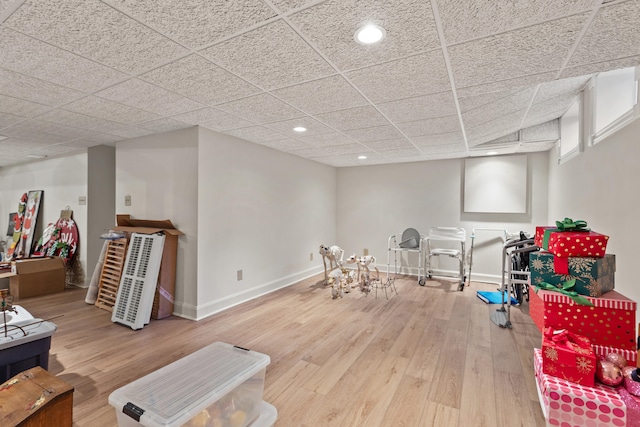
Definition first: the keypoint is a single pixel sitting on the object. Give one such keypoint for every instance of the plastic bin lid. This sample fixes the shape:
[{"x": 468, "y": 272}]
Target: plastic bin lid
[
  {"x": 268, "y": 416},
  {"x": 176, "y": 392},
  {"x": 34, "y": 329}
]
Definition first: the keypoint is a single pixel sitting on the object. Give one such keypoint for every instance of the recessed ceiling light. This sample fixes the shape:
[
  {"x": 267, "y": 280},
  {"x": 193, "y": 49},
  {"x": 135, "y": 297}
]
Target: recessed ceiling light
[
  {"x": 362, "y": 157},
  {"x": 492, "y": 153},
  {"x": 300, "y": 129},
  {"x": 369, "y": 34}
]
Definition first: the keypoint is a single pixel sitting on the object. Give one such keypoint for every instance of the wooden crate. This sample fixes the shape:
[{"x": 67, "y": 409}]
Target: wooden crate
[{"x": 111, "y": 272}]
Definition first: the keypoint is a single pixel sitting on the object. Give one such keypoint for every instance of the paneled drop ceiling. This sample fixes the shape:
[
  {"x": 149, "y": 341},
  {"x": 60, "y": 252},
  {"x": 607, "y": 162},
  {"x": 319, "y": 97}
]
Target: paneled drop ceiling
[{"x": 452, "y": 78}]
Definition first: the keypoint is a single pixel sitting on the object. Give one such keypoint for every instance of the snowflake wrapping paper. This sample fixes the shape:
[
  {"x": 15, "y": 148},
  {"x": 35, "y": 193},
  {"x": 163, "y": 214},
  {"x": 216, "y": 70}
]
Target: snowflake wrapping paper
[
  {"x": 610, "y": 322},
  {"x": 568, "y": 356},
  {"x": 594, "y": 276},
  {"x": 568, "y": 404}
]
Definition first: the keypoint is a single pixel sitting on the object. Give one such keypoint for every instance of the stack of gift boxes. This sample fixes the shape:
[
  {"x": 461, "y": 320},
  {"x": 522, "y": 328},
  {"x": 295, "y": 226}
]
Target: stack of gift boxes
[{"x": 583, "y": 321}]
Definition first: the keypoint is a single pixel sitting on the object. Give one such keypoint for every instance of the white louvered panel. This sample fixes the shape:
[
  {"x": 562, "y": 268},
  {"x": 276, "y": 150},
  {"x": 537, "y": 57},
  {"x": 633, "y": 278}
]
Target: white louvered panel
[{"x": 134, "y": 301}]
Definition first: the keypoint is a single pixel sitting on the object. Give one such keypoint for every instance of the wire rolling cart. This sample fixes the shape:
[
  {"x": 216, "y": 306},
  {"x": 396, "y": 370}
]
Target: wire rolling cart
[{"x": 408, "y": 241}]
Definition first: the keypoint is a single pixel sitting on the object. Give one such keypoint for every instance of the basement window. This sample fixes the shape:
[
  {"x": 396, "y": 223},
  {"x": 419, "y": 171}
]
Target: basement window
[
  {"x": 615, "y": 102},
  {"x": 570, "y": 132}
]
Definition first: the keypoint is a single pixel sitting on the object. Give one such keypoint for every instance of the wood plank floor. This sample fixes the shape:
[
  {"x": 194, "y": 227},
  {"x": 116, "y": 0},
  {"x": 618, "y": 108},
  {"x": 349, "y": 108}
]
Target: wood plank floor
[{"x": 428, "y": 356}]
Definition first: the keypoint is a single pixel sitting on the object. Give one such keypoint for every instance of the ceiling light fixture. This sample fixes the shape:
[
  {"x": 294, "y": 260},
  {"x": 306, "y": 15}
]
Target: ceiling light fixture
[
  {"x": 300, "y": 129},
  {"x": 362, "y": 157},
  {"x": 492, "y": 153},
  {"x": 369, "y": 34}
]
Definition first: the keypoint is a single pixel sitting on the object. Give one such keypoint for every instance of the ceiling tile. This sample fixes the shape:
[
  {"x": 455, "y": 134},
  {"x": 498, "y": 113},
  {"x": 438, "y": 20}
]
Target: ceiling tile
[
  {"x": 163, "y": 125},
  {"x": 419, "y": 107},
  {"x": 552, "y": 89},
  {"x": 438, "y": 139},
  {"x": 321, "y": 96},
  {"x": 546, "y": 131},
  {"x": 271, "y": 56},
  {"x": 313, "y": 126},
  {"x": 331, "y": 26},
  {"x": 41, "y": 60},
  {"x": 196, "y": 22},
  {"x": 390, "y": 144},
  {"x": 109, "y": 110},
  {"x": 495, "y": 128},
  {"x": 474, "y": 101},
  {"x": 345, "y": 149},
  {"x": 612, "y": 34},
  {"x": 598, "y": 67},
  {"x": 286, "y": 5},
  {"x": 9, "y": 119},
  {"x": 54, "y": 150},
  {"x": 442, "y": 149},
  {"x": 30, "y": 89},
  {"x": 517, "y": 102},
  {"x": 257, "y": 134},
  {"x": 354, "y": 118},
  {"x": 532, "y": 50},
  {"x": 124, "y": 131},
  {"x": 139, "y": 94},
  {"x": 197, "y": 78},
  {"x": 97, "y": 31},
  {"x": 430, "y": 126},
  {"x": 327, "y": 139},
  {"x": 470, "y": 19},
  {"x": 416, "y": 75},
  {"x": 97, "y": 139},
  {"x": 20, "y": 145},
  {"x": 412, "y": 153},
  {"x": 214, "y": 119},
  {"x": 287, "y": 145},
  {"x": 349, "y": 161},
  {"x": 21, "y": 107},
  {"x": 74, "y": 119},
  {"x": 374, "y": 134},
  {"x": 556, "y": 107},
  {"x": 517, "y": 83},
  {"x": 36, "y": 130},
  {"x": 260, "y": 109}
]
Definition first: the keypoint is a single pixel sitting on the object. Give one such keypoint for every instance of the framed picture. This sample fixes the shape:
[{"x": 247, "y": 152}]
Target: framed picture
[{"x": 12, "y": 223}]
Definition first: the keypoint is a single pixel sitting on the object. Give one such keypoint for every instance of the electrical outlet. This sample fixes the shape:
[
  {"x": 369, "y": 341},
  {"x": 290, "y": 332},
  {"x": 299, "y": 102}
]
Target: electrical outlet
[
  {"x": 366, "y": 251},
  {"x": 127, "y": 200},
  {"x": 239, "y": 273},
  {"x": 310, "y": 256},
  {"x": 82, "y": 200}
]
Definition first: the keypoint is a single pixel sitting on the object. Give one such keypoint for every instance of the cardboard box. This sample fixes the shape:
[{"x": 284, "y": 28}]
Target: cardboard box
[
  {"x": 610, "y": 322},
  {"x": 33, "y": 277},
  {"x": 565, "y": 403},
  {"x": 165, "y": 290},
  {"x": 594, "y": 276}
]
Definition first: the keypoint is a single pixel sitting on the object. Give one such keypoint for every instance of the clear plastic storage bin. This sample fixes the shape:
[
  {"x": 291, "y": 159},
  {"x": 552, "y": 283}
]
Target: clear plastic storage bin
[{"x": 218, "y": 386}]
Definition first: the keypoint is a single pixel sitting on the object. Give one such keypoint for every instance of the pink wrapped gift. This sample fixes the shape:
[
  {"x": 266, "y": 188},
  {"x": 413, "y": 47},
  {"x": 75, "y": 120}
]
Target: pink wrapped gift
[{"x": 568, "y": 404}]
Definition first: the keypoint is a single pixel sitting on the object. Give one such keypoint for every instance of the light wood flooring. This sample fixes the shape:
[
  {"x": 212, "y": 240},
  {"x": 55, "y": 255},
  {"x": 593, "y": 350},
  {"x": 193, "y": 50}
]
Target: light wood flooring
[{"x": 428, "y": 356}]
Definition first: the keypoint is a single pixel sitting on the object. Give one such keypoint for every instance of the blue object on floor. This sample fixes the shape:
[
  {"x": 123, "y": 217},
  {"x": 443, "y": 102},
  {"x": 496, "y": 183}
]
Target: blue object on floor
[{"x": 494, "y": 297}]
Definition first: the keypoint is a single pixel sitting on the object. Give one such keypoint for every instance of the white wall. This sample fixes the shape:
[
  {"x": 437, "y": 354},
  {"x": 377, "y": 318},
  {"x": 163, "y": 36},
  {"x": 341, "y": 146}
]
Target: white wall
[
  {"x": 261, "y": 211},
  {"x": 377, "y": 201},
  {"x": 160, "y": 173},
  {"x": 600, "y": 186},
  {"x": 63, "y": 179}
]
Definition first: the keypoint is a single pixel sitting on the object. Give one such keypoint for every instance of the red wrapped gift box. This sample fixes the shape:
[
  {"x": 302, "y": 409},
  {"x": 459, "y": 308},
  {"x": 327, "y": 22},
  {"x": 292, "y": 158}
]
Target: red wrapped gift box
[
  {"x": 569, "y": 404},
  {"x": 568, "y": 356},
  {"x": 610, "y": 322},
  {"x": 572, "y": 243}
]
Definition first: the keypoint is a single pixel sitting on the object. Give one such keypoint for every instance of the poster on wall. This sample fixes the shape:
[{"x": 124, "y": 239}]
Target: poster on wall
[
  {"x": 34, "y": 198},
  {"x": 496, "y": 184}
]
